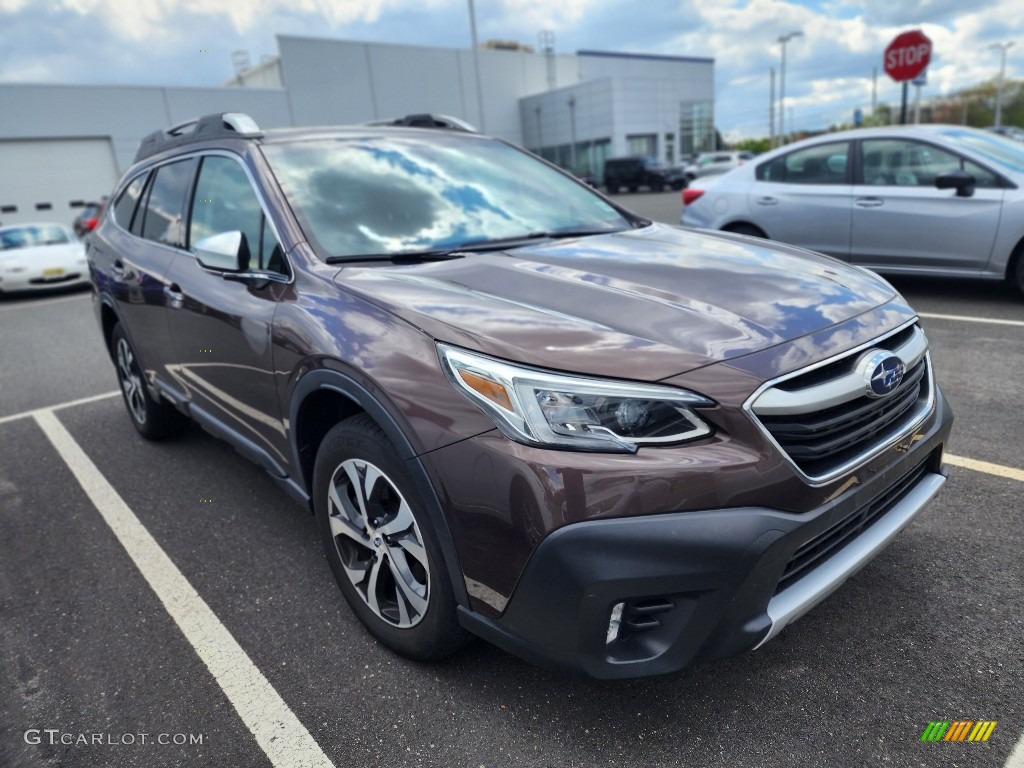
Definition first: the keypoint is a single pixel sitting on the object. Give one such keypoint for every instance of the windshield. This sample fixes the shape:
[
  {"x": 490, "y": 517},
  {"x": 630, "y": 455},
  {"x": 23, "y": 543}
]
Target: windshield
[
  {"x": 31, "y": 236},
  {"x": 387, "y": 195},
  {"x": 1006, "y": 152}
]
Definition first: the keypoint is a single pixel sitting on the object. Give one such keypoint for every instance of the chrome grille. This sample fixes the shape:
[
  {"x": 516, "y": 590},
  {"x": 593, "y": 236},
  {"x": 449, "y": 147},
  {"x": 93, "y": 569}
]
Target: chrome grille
[{"x": 822, "y": 418}]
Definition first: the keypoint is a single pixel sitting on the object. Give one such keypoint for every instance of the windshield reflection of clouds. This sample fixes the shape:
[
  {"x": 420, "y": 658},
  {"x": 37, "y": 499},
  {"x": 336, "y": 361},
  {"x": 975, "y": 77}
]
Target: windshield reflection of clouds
[{"x": 362, "y": 195}]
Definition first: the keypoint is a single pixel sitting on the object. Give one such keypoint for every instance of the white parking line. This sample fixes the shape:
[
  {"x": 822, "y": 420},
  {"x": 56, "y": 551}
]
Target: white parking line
[
  {"x": 1016, "y": 758},
  {"x": 983, "y": 466},
  {"x": 278, "y": 731},
  {"x": 966, "y": 319},
  {"x": 58, "y": 406}
]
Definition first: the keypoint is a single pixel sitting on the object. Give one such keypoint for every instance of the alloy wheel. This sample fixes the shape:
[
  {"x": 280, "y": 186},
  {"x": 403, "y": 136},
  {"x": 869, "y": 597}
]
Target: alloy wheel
[
  {"x": 131, "y": 381},
  {"x": 379, "y": 543}
]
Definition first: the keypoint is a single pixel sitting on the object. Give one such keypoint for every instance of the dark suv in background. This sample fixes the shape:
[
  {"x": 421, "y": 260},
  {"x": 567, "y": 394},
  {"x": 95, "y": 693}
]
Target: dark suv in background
[
  {"x": 635, "y": 172},
  {"x": 516, "y": 409}
]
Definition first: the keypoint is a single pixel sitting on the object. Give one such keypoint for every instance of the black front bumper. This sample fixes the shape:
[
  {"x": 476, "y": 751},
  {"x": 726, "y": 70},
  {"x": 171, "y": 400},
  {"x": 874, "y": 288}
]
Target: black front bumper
[{"x": 695, "y": 586}]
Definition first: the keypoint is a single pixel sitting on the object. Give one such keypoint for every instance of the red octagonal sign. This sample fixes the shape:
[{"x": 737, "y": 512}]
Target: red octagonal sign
[{"x": 908, "y": 55}]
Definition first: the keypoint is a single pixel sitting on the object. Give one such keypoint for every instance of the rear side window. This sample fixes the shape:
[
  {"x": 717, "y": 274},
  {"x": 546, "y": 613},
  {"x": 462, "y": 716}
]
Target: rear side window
[
  {"x": 124, "y": 208},
  {"x": 820, "y": 164},
  {"x": 165, "y": 207}
]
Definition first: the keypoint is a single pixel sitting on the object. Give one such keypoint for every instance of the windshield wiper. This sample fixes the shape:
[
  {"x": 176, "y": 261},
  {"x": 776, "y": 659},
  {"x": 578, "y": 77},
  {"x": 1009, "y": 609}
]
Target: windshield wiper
[
  {"x": 472, "y": 246},
  {"x": 437, "y": 254}
]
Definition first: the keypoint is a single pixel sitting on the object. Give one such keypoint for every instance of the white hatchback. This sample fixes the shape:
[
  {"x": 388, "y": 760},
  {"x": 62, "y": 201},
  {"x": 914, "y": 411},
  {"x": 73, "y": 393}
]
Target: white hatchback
[{"x": 39, "y": 256}]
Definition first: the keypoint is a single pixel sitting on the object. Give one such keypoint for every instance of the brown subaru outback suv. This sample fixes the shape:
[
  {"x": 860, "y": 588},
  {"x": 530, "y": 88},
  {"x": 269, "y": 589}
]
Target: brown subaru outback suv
[{"x": 518, "y": 410}]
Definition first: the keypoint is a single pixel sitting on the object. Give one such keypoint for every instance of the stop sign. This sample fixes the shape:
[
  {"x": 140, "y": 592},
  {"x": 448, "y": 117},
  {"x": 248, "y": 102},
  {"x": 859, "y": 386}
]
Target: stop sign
[{"x": 907, "y": 55}]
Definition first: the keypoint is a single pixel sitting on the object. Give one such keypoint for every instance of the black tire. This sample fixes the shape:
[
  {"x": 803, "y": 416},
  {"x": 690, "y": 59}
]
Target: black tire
[
  {"x": 657, "y": 187},
  {"x": 1018, "y": 272},
  {"x": 633, "y": 188},
  {"x": 153, "y": 419},
  {"x": 383, "y": 553},
  {"x": 746, "y": 229}
]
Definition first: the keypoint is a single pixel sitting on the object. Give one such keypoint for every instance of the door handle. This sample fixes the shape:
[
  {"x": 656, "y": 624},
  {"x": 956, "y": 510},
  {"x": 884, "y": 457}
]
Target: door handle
[
  {"x": 175, "y": 297},
  {"x": 767, "y": 200},
  {"x": 868, "y": 202}
]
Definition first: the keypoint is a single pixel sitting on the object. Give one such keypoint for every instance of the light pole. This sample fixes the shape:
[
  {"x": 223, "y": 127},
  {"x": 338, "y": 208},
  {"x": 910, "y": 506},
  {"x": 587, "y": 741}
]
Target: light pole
[
  {"x": 476, "y": 64},
  {"x": 783, "y": 39},
  {"x": 572, "y": 130},
  {"x": 1003, "y": 47},
  {"x": 540, "y": 133}
]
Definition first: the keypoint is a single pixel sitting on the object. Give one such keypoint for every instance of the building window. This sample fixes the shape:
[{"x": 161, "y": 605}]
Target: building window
[
  {"x": 696, "y": 127},
  {"x": 645, "y": 144}
]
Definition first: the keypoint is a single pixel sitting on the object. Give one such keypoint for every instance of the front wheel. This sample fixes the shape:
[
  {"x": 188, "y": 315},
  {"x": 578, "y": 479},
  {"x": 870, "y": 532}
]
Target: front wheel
[
  {"x": 1018, "y": 273},
  {"x": 380, "y": 544},
  {"x": 746, "y": 229}
]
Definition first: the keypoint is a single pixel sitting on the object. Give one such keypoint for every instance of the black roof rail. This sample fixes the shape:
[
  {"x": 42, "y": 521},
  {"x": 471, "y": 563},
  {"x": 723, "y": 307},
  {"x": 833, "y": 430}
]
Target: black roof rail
[
  {"x": 197, "y": 129},
  {"x": 428, "y": 120}
]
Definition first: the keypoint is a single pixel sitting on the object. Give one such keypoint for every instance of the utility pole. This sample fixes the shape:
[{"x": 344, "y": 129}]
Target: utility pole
[
  {"x": 874, "y": 90},
  {"x": 572, "y": 131},
  {"x": 783, "y": 39},
  {"x": 771, "y": 109},
  {"x": 1003, "y": 48},
  {"x": 540, "y": 133},
  {"x": 476, "y": 65}
]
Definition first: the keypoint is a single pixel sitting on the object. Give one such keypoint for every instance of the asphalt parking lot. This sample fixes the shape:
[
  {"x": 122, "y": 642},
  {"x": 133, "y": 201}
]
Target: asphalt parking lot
[{"x": 166, "y": 605}]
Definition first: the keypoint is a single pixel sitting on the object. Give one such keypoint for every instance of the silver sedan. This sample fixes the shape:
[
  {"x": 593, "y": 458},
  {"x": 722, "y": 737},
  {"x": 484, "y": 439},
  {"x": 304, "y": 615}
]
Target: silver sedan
[{"x": 927, "y": 200}]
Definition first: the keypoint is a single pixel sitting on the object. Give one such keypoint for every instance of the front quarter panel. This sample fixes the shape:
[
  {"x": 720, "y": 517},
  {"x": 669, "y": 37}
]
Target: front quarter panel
[
  {"x": 1011, "y": 233},
  {"x": 319, "y": 326}
]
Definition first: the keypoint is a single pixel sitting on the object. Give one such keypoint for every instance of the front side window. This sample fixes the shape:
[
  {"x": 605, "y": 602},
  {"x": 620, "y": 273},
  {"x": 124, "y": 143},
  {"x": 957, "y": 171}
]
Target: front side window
[
  {"x": 224, "y": 201},
  {"x": 903, "y": 163},
  {"x": 820, "y": 164},
  {"x": 165, "y": 207},
  {"x": 366, "y": 195},
  {"x": 1005, "y": 153}
]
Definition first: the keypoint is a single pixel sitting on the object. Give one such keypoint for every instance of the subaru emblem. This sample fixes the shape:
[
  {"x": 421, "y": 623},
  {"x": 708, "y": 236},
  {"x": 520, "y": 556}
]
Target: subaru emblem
[{"x": 883, "y": 371}]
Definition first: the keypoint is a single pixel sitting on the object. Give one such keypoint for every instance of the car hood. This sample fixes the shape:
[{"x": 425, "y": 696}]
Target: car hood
[
  {"x": 43, "y": 256},
  {"x": 643, "y": 304}
]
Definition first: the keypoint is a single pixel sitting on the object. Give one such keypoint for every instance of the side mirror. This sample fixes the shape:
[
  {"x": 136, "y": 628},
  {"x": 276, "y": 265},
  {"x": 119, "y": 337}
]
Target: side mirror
[
  {"x": 225, "y": 252},
  {"x": 960, "y": 180}
]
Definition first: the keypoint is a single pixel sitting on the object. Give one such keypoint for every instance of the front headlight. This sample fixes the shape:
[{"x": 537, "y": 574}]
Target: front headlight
[{"x": 564, "y": 411}]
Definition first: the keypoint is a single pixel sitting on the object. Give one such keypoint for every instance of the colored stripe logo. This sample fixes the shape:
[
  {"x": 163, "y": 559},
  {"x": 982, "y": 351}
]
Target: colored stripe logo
[{"x": 959, "y": 730}]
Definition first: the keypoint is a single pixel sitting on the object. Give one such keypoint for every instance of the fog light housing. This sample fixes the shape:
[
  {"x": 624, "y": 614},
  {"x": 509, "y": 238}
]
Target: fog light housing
[{"x": 614, "y": 622}]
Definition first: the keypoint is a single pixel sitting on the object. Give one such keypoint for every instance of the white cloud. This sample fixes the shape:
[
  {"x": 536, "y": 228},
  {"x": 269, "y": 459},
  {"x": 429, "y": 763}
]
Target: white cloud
[
  {"x": 908, "y": 13},
  {"x": 828, "y": 69}
]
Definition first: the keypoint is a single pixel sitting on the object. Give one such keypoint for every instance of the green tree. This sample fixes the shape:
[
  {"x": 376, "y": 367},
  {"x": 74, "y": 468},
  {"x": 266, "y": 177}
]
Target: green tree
[
  {"x": 883, "y": 116},
  {"x": 753, "y": 145}
]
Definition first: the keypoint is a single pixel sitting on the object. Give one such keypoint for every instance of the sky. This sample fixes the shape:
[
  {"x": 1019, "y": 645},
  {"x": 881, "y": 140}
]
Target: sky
[{"x": 828, "y": 69}]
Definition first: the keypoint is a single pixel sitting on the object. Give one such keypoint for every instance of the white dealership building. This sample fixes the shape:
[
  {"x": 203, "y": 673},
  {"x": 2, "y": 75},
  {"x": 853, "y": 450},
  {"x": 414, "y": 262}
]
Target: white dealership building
[{"x": 64, "y": 144}]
